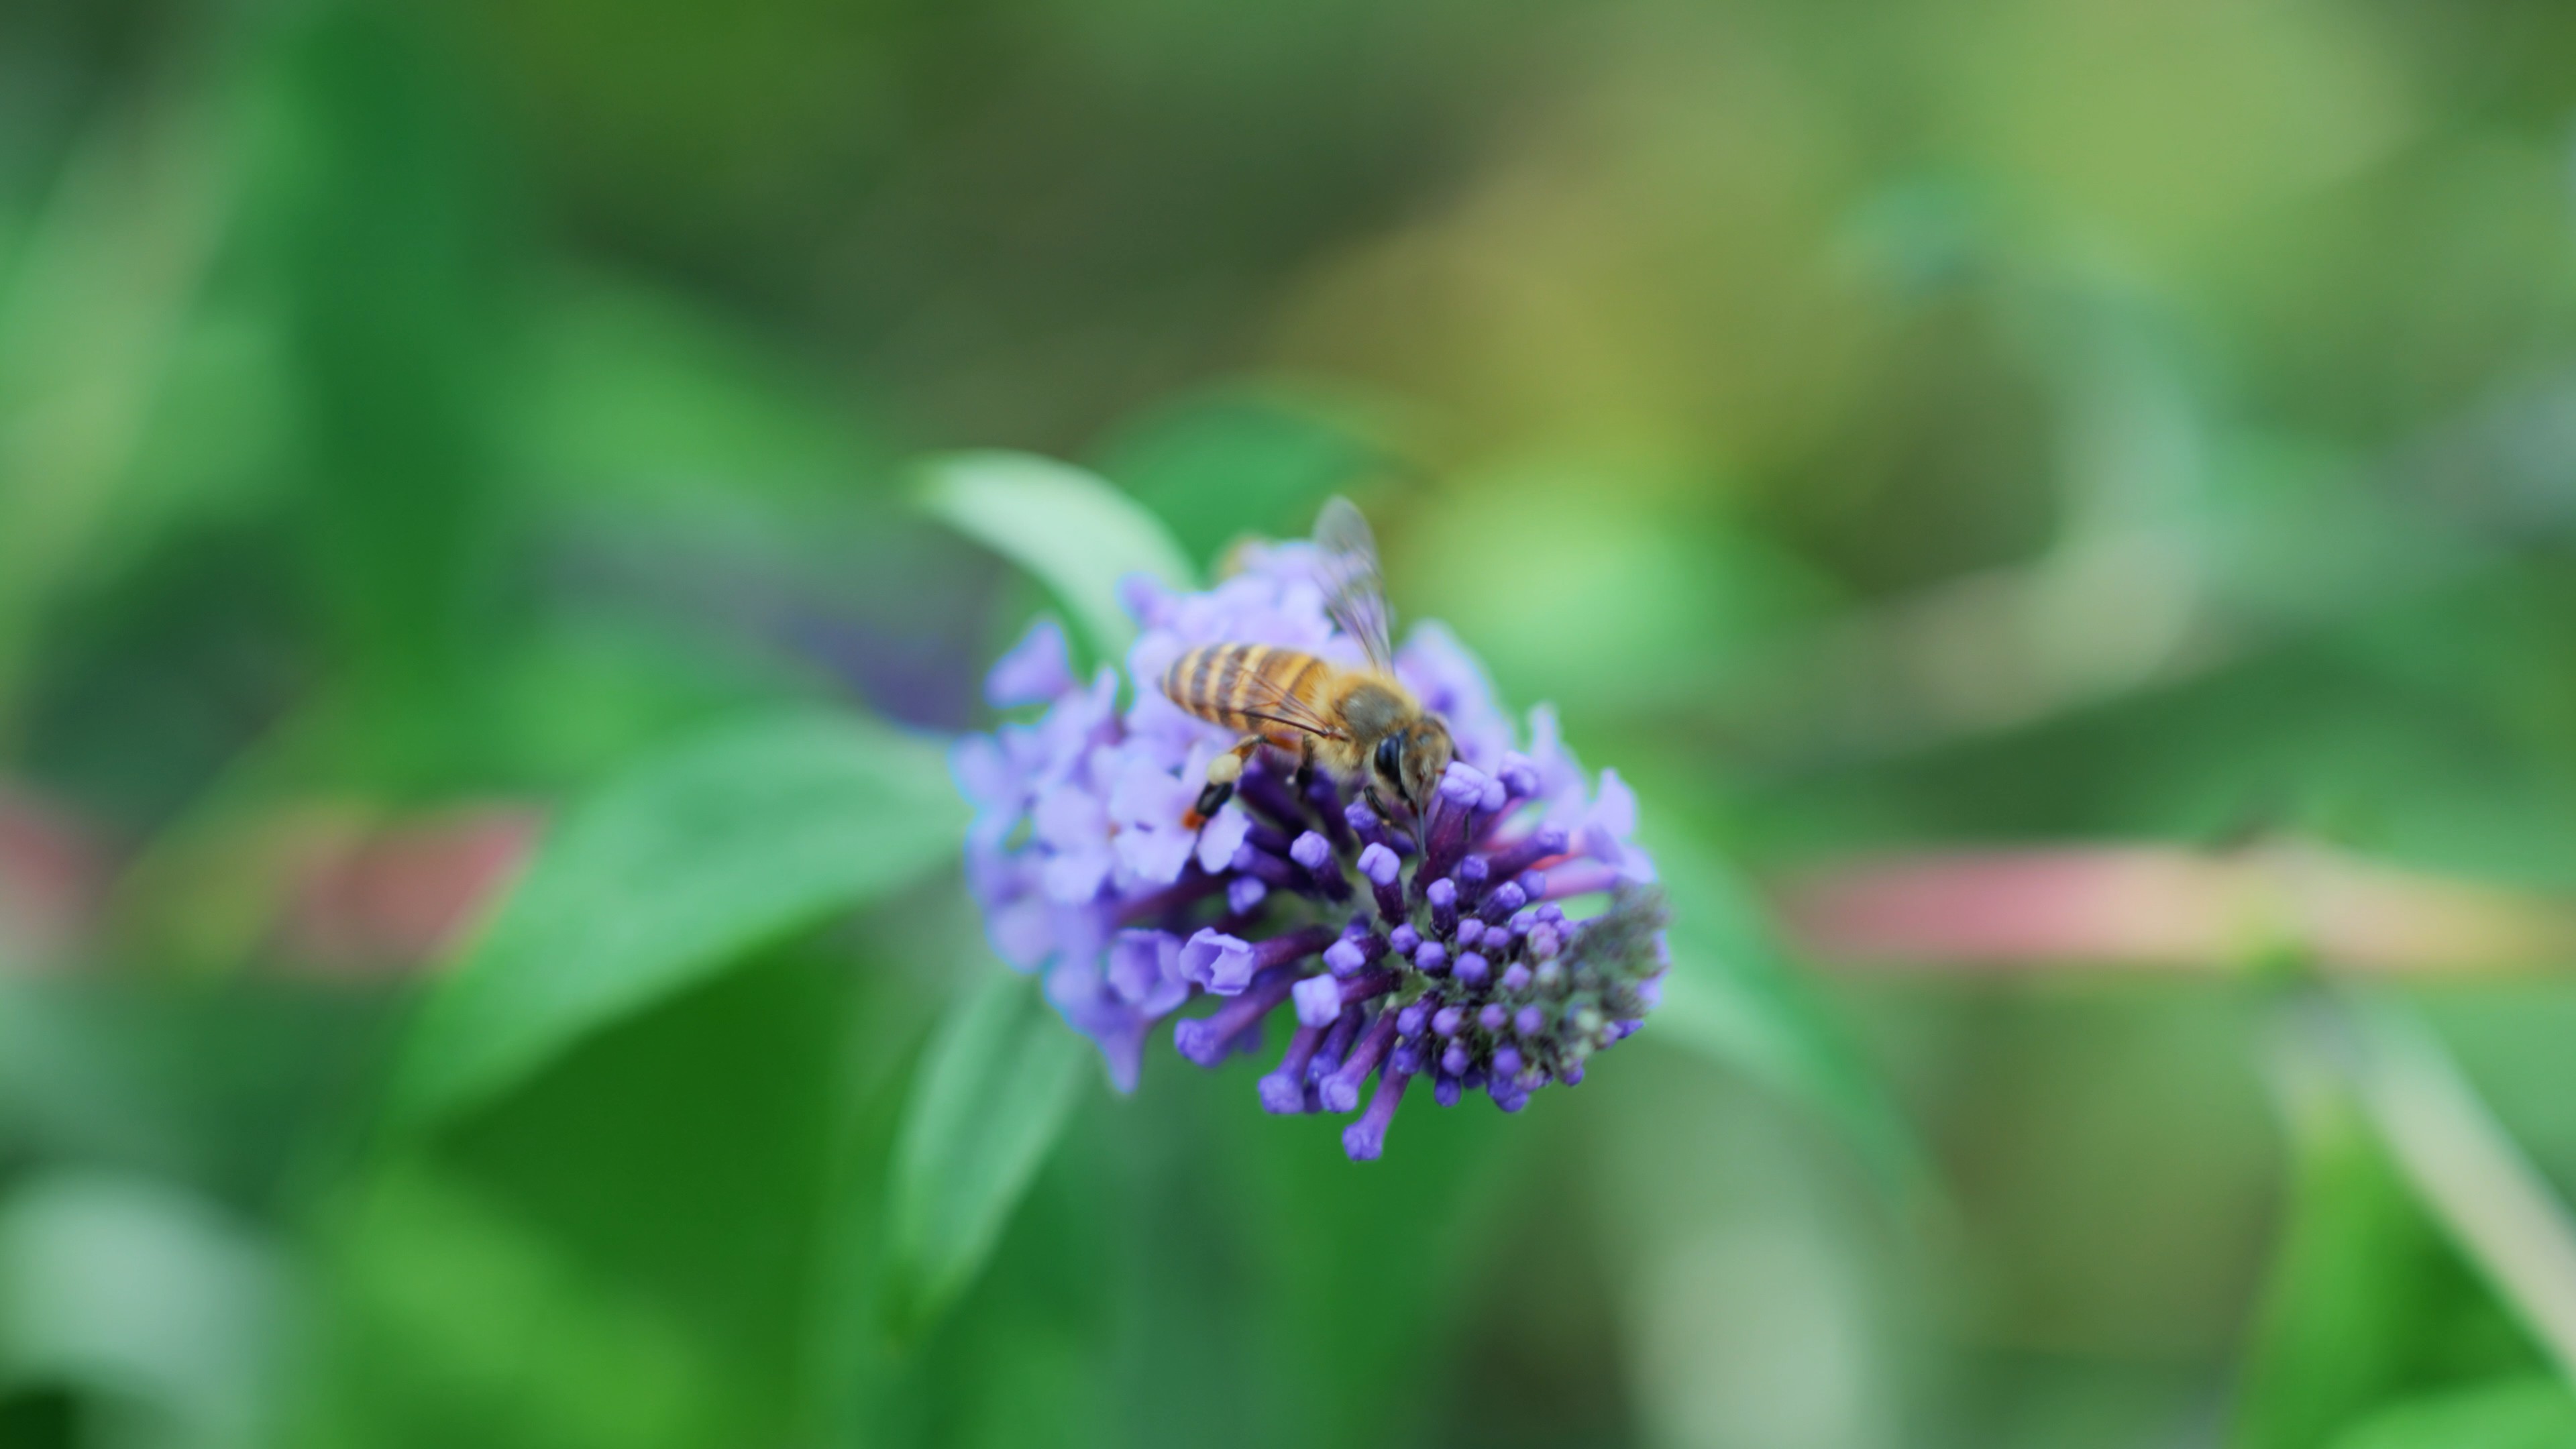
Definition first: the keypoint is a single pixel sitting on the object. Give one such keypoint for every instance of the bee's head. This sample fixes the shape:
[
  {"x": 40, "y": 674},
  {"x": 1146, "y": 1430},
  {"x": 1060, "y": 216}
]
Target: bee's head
[{"x": 1409, "y": 762}]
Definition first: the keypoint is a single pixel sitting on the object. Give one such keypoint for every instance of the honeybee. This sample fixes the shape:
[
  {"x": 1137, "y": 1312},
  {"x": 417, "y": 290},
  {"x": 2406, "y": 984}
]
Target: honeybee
[{"x": 1361, "y": 725}]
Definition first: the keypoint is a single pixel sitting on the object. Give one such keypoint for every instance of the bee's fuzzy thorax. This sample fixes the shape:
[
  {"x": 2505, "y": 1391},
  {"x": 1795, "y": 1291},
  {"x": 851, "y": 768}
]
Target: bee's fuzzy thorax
[{"x": 1441, "y": 947}]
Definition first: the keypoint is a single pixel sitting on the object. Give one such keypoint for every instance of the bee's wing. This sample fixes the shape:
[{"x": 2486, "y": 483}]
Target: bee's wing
[
  {"x": 1266, "y": 699},
  {"x": 1354, "y": 594}
]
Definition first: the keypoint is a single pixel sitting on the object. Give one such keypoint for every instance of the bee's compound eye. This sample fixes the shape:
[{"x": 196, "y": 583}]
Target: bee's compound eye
[{"x": 1390, "y": 756}]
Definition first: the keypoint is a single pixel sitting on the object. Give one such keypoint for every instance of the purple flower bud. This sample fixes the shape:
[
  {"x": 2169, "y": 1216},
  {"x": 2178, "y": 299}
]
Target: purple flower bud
[
  {"x": 1506, "y": 899},
  {"x": 1492, "y": 1016},
  {"x": 1441, "y": 893},
  {"x": 1529, "y": 1021},
  {"x": 1471, "y": 875},
  {"x": 1243, "y": 893},
  {"x": 1345, "y": 957},
  {"x": 1516, "y": 978},
  {"x": 1408, "y": 1022},
  {"x": 1447, "y": 1020},
  {"x": 1311, "y": 851},
  {"x": 1455, "y": 1058},
  {"x": 1405, "y": 1059},
  {"x": 1507, "y": 1062},
  {"x": 1470, "y": 931},
  {"x": 1319, "y": 1000},
  {"x": 1464, "y": 784},
  {"x": 1380, "y": 865},
  {"x": 1444, "y": 1089},
  {"x": 1572, "y": 1076},
  {"x": 1403, "y": 940},
  {"x": 1433, "y": 958},
  {"x": 1472, "y": 969}
]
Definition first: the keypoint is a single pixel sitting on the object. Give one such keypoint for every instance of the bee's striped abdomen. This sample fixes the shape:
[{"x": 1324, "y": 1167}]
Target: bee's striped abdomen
[{"x": 1233, "y": 684}]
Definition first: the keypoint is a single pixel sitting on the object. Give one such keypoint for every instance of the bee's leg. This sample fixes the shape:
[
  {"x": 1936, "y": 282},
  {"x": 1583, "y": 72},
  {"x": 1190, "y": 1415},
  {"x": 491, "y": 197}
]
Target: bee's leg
[{"x": 1222, "y": 772}]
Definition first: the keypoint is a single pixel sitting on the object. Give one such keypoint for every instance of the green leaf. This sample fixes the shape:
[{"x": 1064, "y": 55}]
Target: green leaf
[
  {"x": 2524, "y": 1412},
  {"x": 1733, "y": 997},
  {"x": 993, "y": 1093},
  {"x": 2369, "y": 1304},
  {"x": 1077, "y": 534},
  {"x": 673, "y": 873}
]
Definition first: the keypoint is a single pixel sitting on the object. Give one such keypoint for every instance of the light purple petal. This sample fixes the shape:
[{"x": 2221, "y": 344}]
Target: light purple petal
[
  {"x": 1217, "y": 961},
  {"x": 1222, "y": 836},
  {"x": 1037, "y": 669}
]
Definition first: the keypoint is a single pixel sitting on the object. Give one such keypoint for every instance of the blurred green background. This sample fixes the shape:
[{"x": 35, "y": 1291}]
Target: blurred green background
[{"x": 1877, "y": 427}]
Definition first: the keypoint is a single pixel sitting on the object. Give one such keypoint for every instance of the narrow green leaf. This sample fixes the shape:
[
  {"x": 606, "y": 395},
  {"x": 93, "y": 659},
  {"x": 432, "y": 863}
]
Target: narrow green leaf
[
  {"x": 1734, "y": 997},
  {"x": 673, "y": 873},
  {"x": 992, "y": 1095},
  {"x": 1077, "y": 534},
  {"x": 2525, "y": 1412},
  {"x": 2369, "y": 1304}
]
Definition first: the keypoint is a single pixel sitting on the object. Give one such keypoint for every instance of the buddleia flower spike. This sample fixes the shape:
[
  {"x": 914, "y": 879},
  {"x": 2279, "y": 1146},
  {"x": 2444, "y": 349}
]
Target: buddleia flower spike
[{"x": 1495, "y": 941}]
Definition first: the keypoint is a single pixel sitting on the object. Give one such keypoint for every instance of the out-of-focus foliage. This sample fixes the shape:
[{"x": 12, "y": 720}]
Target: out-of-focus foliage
[{"x": 430, "y": 432}]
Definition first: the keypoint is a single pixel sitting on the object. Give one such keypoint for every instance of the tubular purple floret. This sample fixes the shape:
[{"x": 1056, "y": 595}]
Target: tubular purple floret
[
  {"x": 1206, "y": 1039},
  {"x": 1273, "y": 871},
  {"x": 1444, "y": 836},
  {"x": 1365, "y": 1139},
  {"x": 1511, "y": 858},
  {"x": 1262, "y": 791},
  {"x": 1325, "y": 799},
  {"x": 1581, "y": 878},
  {"x": 1499, "y": 906},
  {"x": 1314, "y": 854},
  {"x": 1315, "y": 992},
  {"x": 1284, "y": 1091},
  {"x": 1337, "y": 1045},
  {"x": 1365, "y": 825},
  {"x": 1341, "y": 1090},
  {"x": 1443, "y": 896}
]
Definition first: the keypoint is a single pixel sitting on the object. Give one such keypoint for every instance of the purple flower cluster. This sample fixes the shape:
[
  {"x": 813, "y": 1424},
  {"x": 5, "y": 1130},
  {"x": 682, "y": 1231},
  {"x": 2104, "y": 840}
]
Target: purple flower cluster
[{"x": 1447, "y": 950}]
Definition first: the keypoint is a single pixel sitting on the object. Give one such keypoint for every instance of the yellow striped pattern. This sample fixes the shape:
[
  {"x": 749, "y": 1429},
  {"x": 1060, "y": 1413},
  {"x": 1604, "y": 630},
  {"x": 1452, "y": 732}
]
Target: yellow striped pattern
[{"x": 1220, "y": 681}]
